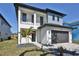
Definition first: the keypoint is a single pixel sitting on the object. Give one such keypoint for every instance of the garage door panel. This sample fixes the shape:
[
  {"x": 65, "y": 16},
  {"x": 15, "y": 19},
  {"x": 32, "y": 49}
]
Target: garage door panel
[{"x": 61, "y": 36}]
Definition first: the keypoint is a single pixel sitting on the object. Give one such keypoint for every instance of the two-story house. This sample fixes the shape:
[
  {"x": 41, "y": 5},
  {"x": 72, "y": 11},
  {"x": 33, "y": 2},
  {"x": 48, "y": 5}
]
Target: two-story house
[
  {"x": 5, "y": 27},
  {"x": 47, "y": 24}
]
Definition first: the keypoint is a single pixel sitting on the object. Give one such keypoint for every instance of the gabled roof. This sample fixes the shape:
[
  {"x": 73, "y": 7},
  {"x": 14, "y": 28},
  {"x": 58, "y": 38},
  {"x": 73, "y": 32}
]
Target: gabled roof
[
  {"x": 38, "y": 9},
  {"x": 4, "y": 19}
]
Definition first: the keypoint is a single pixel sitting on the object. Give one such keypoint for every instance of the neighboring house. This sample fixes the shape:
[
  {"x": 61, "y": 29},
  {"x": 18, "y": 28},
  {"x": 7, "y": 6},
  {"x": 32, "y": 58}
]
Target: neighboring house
[
  {"x": 5, "y": 27},
  {"x": 47, "y": 24},
  {"x": 75, "y": 32}
]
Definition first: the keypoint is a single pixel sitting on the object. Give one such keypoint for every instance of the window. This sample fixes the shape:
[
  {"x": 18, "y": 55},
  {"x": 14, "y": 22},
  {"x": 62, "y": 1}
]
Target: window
[
  {"x": 2, "y": 22},
  {"x": 57, "y": 18},
  {"x": 53, "y": 17},
  {"x": 41, "y": 20},
  {"x": 0, "y": 33},
  {"x": 6, "y": 34},
  {"x": 24, "y": 17},
  {"x": 32, "y": 18}
]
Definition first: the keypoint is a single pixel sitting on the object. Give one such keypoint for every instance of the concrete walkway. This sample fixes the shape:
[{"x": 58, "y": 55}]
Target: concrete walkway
[
  {"x": 71, "y": 49},
  {"x": 68, "y": 46}
]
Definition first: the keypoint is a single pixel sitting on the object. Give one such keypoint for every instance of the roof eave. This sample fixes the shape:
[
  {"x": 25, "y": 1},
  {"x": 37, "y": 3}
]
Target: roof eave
[
  {"x": 54, "y": 25},
  {"x": 39, "y": 9},
  {"x": 28, "y": 6},
  {"x": 56, "y": 12},
  {"x": 5, "y": 20}
]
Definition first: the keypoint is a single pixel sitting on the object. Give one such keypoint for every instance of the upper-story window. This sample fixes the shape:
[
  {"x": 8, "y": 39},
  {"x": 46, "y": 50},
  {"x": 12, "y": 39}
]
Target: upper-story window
[
  {"x": 57, "y": 18},
  {"x": 41, "y": 20},
  {"x": 2, "y": 22},
  {"x": 24, "y": 17},
  {"x": 32, "y": 18},
  {"x": 53, "y": 17}
]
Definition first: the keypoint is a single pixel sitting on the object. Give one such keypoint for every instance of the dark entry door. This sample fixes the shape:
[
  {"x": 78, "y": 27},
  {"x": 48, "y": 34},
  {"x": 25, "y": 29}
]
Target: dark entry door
[
  {"x": 33, "y": 36},
  {"x": 59, "y": 36}
]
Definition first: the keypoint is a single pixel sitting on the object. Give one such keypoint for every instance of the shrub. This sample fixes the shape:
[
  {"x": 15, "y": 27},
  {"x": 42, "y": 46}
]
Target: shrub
[
  {"x": 61, "y": 50},
  {"x": 9, "y": 38},
  {"x": 26, "y": 32},
  {"x": 23, "y": 32}
]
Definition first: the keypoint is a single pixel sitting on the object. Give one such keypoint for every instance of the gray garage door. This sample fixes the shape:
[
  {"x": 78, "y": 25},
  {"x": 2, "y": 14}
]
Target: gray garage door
[{"x": 59, "y": 36}]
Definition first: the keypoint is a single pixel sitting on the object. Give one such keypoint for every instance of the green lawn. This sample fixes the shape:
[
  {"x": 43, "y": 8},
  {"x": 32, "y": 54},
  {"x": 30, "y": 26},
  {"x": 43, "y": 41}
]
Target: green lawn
[{"x": 9, "y": 48}]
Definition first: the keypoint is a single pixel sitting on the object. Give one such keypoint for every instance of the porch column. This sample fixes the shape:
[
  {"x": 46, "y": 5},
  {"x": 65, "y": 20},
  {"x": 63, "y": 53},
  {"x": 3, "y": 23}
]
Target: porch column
[
  {"x": 34, "y": 19},
  {"x": 19, "y": 16},
  {"x": 70, "y": 37},
  {"x": 48, "y": 36}
]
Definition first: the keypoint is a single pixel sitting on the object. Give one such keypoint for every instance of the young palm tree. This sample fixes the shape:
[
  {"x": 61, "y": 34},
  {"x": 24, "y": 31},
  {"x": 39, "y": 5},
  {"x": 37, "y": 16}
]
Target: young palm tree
[{"x": 27, "y": 32}]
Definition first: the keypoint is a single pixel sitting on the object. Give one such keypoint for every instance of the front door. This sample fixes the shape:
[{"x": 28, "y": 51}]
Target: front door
[{"x": 33, "y": 36}]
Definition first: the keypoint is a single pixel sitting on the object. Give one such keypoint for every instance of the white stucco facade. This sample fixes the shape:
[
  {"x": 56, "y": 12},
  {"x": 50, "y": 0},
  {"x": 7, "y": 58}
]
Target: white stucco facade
[
  {"x": 43, "y": 35},
  {"x": 50, "y": 19}
]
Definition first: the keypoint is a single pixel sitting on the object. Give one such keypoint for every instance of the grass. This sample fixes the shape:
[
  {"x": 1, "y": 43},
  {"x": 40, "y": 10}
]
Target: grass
[{"x": 9, "y": 48}]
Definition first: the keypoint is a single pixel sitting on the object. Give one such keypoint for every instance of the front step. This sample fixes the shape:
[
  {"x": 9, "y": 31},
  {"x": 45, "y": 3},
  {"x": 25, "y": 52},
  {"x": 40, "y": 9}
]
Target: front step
[
  {"x": 44, "y": 46},
  {"x": 37, "y": 44},
  {"x": 21, "y": 45},
  {"x": 25, "y": 45}
]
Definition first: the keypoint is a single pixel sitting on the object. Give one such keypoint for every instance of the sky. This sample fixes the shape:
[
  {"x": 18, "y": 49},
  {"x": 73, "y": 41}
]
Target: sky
[{"x": 71, "y": 11}]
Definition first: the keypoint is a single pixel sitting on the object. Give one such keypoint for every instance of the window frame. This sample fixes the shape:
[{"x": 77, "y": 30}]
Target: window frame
[
  {"x": 53, "y": 17},
  {"x": 41, "y": 18},
  {"x": 32, "y": 19},
  {"x": 58, "y": 18},
  {"x": 24, "y": 17}
]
